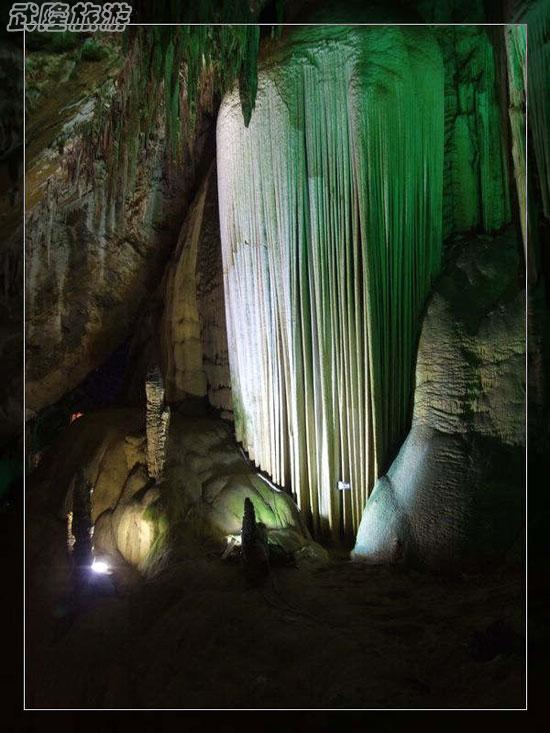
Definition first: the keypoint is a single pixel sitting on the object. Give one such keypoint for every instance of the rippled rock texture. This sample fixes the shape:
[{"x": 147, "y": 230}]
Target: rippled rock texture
[
  {"x": 193, "y": 330},
  {"x": 455, "y": 492}
]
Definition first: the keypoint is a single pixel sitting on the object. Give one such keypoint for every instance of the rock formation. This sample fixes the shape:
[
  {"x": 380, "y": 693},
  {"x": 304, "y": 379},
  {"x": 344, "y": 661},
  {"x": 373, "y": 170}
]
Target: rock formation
[
  {"x": 205, "y": 483},
  {"x": 475, "y": 176},
  {"x": 193, "y": 330},
  {"x": 102, "y": 218},
  {"x": 328, "y": 255},
  {"x": 359, "y": 151},
  {"x": 455, "y": 492},
  {"x": 157, "y": 423}
]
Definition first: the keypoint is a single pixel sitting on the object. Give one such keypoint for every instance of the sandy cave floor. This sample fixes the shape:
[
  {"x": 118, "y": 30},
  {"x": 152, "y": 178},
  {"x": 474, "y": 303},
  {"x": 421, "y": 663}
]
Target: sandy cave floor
[{"x": 340, "y": 636}]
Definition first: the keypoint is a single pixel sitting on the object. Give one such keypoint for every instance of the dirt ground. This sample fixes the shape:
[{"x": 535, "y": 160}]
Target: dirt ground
[{"x": 340, "y": 636}]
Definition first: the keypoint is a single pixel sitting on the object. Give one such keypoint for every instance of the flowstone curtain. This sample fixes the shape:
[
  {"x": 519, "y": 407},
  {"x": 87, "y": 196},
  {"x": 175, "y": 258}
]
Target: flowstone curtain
[{"x": 330, "y": 212}]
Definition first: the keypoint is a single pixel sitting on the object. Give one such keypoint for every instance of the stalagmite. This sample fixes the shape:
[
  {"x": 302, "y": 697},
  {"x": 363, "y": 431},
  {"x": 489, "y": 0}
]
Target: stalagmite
[
  {"x": 157, "y": 423},
  {"x": 330, "y": 211}
]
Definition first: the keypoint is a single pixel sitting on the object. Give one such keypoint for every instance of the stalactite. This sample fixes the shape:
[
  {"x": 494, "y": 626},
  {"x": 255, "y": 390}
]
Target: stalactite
[
  {"x": 169, "y": 72},
  {"x": 515, "y": 37},
  {"x": 330, "y": 210},
  {"x": 157, "y": 423}
]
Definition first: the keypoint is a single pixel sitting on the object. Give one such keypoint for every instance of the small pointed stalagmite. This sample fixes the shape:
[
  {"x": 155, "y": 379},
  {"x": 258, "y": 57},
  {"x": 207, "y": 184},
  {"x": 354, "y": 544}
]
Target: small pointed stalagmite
[{"x": 255, "y": 552}]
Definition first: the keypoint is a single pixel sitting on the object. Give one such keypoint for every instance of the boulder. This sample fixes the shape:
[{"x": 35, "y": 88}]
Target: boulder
[{"x": 455, "y": 492}]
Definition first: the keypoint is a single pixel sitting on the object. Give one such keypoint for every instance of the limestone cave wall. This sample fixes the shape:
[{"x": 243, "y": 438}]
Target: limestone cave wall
[{"x": 99, "y": 226}]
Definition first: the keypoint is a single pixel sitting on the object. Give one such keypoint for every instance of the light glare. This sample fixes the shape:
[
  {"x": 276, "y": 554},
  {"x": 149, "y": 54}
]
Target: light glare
[{"x": 99, "y": 566}]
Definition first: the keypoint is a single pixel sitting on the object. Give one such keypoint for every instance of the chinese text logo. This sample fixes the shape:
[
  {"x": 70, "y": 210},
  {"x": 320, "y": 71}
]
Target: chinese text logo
[{"x": 61, "y": 17}]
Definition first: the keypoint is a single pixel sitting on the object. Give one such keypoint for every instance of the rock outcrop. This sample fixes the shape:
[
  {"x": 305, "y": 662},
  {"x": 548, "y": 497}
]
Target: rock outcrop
[
  {"x": 138, "y": 520},
  {"x": 455, "y": 492},
  {"x": 157, "y": 423},
  {"x": 99, "y": 231}
]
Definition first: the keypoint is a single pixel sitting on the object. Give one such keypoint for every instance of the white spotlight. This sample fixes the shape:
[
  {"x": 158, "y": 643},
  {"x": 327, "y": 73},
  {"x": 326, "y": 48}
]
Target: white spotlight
[{"x": 99, "y": 566}]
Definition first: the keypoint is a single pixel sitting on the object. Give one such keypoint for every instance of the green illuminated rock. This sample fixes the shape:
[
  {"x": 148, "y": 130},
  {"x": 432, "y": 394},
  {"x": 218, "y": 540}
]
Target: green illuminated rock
[
  {"x": 538, "y": 19},
  {"x": 516, "y": 49},
  {"x": 475, "y": 180},
  {"x": 330, "y": 211}
]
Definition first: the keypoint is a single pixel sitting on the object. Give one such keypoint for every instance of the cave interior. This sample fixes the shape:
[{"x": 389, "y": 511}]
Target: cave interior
[{"x": 276, "y": 281}]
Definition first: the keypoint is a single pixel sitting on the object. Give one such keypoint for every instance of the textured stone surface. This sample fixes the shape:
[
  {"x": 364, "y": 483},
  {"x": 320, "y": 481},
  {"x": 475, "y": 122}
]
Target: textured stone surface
[
  {"x": 516, "y": 50},
  {"x": 471, "y": 359},
  {"x": 475, "y": 175},
  {"x": 157, "y": 423},
  {"x": 193, "y": 330},
  {"x": 94, "y": 255},
  {"x": 330, "y": 218},
  {"x": 106, "y": 446},
  {"x": 207, "y": 481},
  {"x": 455, "y": 491},
  {"x": 211, "y": 302},
  {"x": 202, "y": 492}
]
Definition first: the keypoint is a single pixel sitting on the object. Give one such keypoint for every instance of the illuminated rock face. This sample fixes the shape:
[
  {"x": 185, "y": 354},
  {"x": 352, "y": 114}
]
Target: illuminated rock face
[
  {"x": 330, "y": 210},
  {"x": 205, "y": 481},
  {"x": 95, "y": 250},
  {"x": 193, "y": 331},
  {"x": 454, "y": 494},
  {"x": 106, "y": 451},
  {"x": 516, "y": 49}
]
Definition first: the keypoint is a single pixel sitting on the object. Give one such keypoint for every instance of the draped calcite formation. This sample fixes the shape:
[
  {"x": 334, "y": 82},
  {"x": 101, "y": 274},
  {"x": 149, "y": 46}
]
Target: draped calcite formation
[
  {"x": 330, "y": 210},
  {"x": 181, "y": 324},
  {"x": 475, "y": 174}
]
